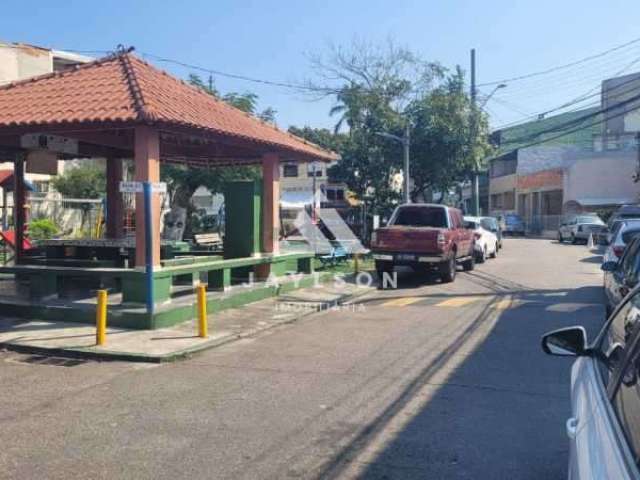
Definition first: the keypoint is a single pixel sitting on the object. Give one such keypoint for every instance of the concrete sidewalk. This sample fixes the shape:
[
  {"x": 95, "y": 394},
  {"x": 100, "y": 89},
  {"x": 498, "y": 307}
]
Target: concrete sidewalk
[{"x": 168, "y": 344}]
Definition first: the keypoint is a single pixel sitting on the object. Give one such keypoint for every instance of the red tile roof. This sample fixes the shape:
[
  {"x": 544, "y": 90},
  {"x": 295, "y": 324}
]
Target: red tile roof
[{"x": 124, "y": 89}]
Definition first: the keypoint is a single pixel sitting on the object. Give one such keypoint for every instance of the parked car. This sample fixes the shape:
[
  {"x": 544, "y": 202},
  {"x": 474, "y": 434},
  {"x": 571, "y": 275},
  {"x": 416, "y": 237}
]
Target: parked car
[
  {"x": 513, "y": 224},
  {"x": 604, "y": 427},
  {"x": 486, "y": 241},
  {"x": 613, "y": 228},
  {"x": 624, "y": 212},
  {"x": 620, "y": 276},
  {"x": 624, "y": 233},
  {"x": 424, "y": 236},
  {"x": 580, "y": 227},
  {"x": 492, "y": 224}
]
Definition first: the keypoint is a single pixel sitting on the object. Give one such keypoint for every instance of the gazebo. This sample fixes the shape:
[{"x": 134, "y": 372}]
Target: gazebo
[{"x": 120, "y": 107}]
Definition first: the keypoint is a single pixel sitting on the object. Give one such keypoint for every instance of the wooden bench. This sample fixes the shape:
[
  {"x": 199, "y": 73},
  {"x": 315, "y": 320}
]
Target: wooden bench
[{"x": 210, "y": 241}]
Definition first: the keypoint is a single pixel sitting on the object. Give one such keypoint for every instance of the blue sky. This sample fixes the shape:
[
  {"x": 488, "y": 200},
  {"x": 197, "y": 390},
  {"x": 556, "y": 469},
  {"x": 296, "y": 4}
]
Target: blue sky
[{"x": 270, "y": 40}]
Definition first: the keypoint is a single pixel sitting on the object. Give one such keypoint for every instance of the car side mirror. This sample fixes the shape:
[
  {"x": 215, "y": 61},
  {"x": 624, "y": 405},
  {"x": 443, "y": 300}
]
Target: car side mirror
[
  {"x": 609, "y": 266},
  {"x": 566, "y": 342}
]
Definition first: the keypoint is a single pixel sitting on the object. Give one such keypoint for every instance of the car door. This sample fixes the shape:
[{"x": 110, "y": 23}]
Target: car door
[
  {"x": 623, "y": 278},
  {"x": 598, "y": 444}
]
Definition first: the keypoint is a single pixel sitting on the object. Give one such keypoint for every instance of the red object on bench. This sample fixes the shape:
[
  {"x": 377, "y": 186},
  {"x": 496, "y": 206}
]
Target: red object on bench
[{"x": 10, "y": 237}]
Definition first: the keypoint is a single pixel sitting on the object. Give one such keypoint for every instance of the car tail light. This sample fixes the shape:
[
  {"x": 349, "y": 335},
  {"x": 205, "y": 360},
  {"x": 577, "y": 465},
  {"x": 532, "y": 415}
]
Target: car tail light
[
  {"x": 618, "y": 250},
  {"x": 477, "y": 235},
  {"x": 441, "y": 240}
]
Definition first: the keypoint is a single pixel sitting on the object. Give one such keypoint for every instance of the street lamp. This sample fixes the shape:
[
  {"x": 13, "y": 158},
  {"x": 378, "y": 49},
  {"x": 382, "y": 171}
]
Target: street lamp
[
  {"x": 405, "y": 141},
  {"x": 488, "y": 97}
]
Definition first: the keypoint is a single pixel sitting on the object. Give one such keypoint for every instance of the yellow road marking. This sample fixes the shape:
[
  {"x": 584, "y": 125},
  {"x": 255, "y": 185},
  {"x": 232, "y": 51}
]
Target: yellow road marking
[
  {"x": 457, "y": 302},
  {"x": 401, "y": 302},
  {"x": 503, "y": 304}
]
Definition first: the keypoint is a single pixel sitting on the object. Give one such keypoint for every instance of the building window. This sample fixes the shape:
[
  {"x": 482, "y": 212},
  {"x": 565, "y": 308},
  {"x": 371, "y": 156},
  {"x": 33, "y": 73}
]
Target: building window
[
  {"x": 40, "y": 186},
  {"x": 310, "y": 170},
  {"x": 290, "y": 170}
]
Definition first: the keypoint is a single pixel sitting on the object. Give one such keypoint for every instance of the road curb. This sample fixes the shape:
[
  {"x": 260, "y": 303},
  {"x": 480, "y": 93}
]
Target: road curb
[{"x": 107, "y": 355}]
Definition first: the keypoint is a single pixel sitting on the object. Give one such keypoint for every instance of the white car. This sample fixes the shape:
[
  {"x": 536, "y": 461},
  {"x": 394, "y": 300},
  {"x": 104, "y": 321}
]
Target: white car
[
  {"x": 486, "y": 241},
  {"x": 604, "y": 427}
]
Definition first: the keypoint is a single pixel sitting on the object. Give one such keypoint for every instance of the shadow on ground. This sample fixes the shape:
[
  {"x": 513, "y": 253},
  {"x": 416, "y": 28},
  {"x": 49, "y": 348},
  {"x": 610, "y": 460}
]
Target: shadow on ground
[{"x": 500, "y": 414}]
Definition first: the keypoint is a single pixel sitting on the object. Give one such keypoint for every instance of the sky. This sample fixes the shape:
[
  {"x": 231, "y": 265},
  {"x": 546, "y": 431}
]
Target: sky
[{"x": 272, "y": 40}]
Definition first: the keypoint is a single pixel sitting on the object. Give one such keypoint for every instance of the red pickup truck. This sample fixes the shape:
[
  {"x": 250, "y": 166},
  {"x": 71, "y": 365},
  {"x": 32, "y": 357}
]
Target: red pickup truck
[{"x": 424, "y": 236}]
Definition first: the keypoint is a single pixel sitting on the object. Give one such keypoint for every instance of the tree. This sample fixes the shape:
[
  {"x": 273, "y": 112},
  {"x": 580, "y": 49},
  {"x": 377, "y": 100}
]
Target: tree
[
  {"x": 442, "y": 150},
  {"x": 381, "y": 89},
  {"x": 375, "y": 86},
  {"x": 82, "y": 182}
]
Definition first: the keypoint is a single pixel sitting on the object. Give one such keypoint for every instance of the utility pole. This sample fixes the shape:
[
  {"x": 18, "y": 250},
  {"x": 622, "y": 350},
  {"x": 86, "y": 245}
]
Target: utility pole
[
  {"x": 406, "y": 143},
  {"x": 475, "y": 187}
]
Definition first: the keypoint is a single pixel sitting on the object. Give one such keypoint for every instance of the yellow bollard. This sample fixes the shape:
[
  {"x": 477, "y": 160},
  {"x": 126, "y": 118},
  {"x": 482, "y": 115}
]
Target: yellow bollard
[
  {"x": 101, "y": 318},
  {"x": 202, "y": 311}
]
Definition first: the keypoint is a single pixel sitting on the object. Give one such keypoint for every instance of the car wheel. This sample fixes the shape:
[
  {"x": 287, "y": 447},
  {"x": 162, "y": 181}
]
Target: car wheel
[
  {"x": 383, "y": 267},
  {"x": 482, "y": 257},
  {"x": 470, "y": 264},
  {"x": 495, "y": 251},
  {"x": 560, "y": 239},
  {"x": 448, "y": 270}
]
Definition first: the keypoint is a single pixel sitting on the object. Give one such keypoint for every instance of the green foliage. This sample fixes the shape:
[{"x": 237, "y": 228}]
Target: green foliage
[
  {"x": 42, "y": 229},
  {"x": 322, "y": 137},
  {"x": 86, "y": 181},
  {"x": 442, "y": 149}
]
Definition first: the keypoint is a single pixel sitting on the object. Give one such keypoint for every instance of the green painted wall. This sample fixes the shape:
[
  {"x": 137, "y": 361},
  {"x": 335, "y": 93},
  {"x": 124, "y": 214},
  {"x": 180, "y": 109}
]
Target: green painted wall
[{"x": 243, "y": 219}]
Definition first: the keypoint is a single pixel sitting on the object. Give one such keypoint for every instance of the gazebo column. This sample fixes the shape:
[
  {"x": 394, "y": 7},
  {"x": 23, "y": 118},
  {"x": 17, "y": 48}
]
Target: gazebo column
[
  {"x": 115, "y": 227},
  {"x": 19, "y": 201},
  {"x": 147, "y": 169},
  {"x": 270, "y": 209}
]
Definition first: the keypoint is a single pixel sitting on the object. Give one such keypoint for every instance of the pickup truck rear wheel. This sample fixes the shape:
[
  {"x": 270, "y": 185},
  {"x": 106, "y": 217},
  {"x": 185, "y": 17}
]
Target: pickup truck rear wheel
[
  {"x": 448, "y": 270},
  {"x": 383, "y": 267}
]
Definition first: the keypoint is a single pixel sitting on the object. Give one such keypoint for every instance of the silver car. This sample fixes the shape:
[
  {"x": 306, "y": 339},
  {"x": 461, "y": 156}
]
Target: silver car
[
  {"x": 580, "y": 227},
  {"x": 604, "y": 427}
]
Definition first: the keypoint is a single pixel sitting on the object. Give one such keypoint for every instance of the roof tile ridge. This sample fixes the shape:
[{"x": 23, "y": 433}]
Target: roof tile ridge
[{"x": 135, "y": 90}]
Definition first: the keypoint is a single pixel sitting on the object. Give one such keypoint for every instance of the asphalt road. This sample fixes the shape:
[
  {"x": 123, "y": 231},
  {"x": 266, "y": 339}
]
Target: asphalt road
[{"x": 424, "y": 381}]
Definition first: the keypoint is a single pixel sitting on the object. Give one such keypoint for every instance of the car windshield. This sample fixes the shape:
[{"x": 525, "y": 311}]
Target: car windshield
[
  {"x": 421, "y": 217},
  {"x": 471, "y": 225},
  {"x": 488, "y": 223},
  {"x": 589, "y": 219}
]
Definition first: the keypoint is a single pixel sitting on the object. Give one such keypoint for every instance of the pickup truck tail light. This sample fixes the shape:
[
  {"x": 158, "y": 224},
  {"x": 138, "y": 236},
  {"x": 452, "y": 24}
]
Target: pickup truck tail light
[
  {"x": 441, "y": 240},
  {"x": 618, "y": 250}
]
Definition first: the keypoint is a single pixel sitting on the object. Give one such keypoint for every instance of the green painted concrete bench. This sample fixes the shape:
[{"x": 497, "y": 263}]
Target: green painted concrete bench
[{"x": 44, "y": 280}]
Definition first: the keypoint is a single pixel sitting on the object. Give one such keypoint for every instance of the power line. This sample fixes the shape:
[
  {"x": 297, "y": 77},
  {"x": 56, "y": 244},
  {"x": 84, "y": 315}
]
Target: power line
[
  {"x": 581, "y": 99},
  {"x": 237, "y": 76},
  {"x": 561, "y": 67},
  {"x": 581, "y": 119}
]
